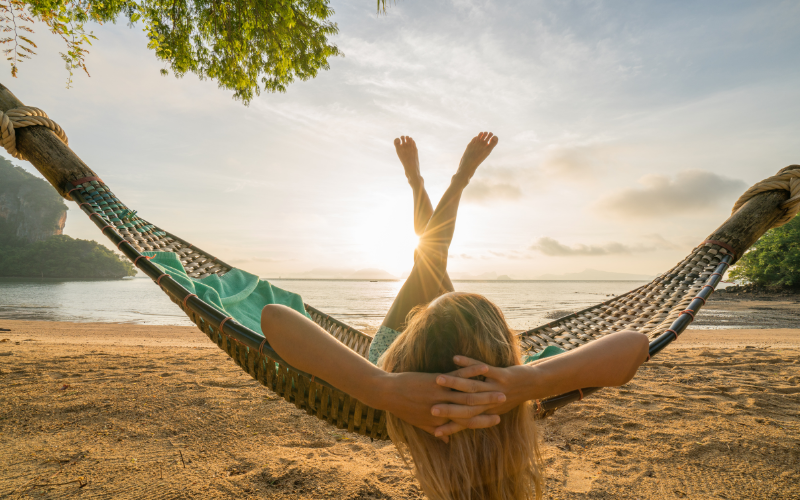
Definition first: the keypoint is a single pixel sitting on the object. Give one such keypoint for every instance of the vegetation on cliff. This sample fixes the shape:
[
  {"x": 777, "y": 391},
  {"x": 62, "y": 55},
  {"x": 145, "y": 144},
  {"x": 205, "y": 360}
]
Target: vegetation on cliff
[
  {"x": 774, "y": 260},
  {"x": 62, "y": 256},
  {"x": 30, "y": 209},
  {"x": 32, "y": 215}
]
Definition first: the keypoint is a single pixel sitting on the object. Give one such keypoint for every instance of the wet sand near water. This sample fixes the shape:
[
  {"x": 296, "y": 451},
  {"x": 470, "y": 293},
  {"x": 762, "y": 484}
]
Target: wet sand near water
[
  {"x": 730, "y": 310},
  {"x": 135, "y": 411}
]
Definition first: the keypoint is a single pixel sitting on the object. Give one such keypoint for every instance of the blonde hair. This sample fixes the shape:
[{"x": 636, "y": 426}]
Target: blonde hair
[{"x": 498, "y": 463}]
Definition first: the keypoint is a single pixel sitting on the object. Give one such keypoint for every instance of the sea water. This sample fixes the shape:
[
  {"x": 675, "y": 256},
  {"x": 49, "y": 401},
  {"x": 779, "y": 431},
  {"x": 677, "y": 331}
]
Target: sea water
[{"x": 360, "y": 303}]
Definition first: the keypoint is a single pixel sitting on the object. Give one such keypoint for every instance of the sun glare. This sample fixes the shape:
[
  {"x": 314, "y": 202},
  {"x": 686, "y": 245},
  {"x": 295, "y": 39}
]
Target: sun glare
[
  {"x": 389, "y": 247},
  {"x": 388, "y": 236},
  {"x": 396, "y": 256}
]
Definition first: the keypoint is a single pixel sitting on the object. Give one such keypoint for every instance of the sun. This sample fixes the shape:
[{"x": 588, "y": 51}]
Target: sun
[
  {"x": 397, "y": 255},
  {"x": 388, "y": 241}
]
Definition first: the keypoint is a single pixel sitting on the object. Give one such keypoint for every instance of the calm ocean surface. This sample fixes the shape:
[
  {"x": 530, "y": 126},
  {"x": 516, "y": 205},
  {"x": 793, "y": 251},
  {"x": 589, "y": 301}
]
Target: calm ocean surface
[{"x": 361, "y": 304}]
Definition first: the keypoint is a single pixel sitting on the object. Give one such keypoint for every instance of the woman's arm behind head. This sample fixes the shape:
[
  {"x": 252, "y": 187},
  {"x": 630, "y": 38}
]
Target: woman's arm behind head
[{"x": 610, "y": 361}]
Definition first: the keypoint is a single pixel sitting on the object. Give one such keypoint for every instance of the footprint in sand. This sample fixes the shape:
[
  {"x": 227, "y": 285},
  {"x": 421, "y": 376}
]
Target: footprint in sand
[{"x": 579, "y": 476}]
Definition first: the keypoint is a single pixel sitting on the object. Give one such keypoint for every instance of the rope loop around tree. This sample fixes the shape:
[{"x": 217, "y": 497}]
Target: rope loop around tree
[
  {"x": 24, "y": 116},
  {"x": 787, "y": 179}
]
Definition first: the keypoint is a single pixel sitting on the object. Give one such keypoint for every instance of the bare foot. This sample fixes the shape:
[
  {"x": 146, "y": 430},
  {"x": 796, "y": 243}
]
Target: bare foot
[
  {"x": 477, "y": 150},
  {"x": 409, "y": 157}
]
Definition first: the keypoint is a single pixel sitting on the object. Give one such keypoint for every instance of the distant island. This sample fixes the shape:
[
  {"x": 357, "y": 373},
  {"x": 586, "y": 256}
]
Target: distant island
[
  {"x": 323, "y": 273},
  {"x": 32, "y": 243},
  {"x": 333, "y": 273},
  {"x": 487, "y": 276},
  {"x": 380, "y": 274},
  {"x": 594, "y": 275}
]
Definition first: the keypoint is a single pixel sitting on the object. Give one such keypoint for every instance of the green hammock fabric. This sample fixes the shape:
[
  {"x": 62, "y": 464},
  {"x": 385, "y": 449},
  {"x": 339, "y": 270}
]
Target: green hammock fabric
[{"x": 238, "y": 293}]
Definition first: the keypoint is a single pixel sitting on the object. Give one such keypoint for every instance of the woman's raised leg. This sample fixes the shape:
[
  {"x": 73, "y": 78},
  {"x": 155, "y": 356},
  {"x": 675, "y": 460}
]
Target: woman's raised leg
[
  {"x": 425, "y": 282},
  {"x": 409, "y": 156},
  {"x": 423, "y": 209}
]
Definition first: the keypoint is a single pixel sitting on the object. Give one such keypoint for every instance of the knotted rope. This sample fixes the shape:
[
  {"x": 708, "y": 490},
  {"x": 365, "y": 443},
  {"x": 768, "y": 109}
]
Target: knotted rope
[
  {"x": 24, "y": 116},
  {"x": 787, "y": 179}
]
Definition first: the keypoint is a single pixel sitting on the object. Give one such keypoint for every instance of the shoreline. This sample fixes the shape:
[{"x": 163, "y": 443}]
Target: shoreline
[
  {"x": 138, "y": 302},
  {"x": 133, "y": 334}
]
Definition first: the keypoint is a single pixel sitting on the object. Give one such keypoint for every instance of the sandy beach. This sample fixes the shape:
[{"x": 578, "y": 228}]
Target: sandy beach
[{"x": 96, "y": 410}]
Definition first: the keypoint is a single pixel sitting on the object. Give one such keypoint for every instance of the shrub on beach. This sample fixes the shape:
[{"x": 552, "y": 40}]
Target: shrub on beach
[{"x": 774, "y": 260}]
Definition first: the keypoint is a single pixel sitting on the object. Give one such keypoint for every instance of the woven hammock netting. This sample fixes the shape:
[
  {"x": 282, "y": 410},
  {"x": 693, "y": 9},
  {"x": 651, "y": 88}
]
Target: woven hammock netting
[{"x": 661, "y": 309}]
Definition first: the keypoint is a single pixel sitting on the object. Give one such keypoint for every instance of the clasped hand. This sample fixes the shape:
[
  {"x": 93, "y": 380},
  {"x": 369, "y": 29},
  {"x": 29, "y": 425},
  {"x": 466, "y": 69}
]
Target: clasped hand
[{"x": 448, "y": 403}]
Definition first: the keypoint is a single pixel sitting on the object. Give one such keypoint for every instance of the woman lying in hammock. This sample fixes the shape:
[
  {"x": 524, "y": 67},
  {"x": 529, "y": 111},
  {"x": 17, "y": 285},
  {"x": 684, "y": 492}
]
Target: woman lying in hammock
[{"x": 425, "y": 376}]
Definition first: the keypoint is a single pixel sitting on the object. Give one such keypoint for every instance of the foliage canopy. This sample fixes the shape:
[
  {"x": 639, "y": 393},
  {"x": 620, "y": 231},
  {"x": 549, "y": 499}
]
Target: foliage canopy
[
  {"x": 774, "y": 259},
  {"x": 242, "y": 44}
]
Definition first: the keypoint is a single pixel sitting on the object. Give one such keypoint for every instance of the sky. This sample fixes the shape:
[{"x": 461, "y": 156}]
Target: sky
[{"x": 627, "y": 131}]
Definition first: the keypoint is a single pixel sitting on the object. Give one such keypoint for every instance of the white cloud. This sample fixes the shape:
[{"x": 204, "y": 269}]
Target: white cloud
[
  {"x": 689, "y": 191},
  {"x": 553, "y": 248},
  {"x": 480, "y": 191},
  {"x": 578, "y": 162}
]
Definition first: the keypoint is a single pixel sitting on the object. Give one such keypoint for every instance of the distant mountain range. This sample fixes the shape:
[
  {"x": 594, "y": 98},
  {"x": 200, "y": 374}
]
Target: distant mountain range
[
  {"x": 332, "y": 273},
  {"x": 379, "y": 274},
  {"x": 484, "y": 276},
  {"x": 595, "y": 275}
]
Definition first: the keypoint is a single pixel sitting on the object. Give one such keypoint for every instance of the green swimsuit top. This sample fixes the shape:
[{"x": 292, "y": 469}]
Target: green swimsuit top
[{"x": 385, "y": 336}]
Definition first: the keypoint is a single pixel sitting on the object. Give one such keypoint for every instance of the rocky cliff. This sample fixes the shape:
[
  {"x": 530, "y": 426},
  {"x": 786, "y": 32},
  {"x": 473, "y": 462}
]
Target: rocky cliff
[
  {"x": 30, "y": 209},
  {"x": 32, "y": 217}
]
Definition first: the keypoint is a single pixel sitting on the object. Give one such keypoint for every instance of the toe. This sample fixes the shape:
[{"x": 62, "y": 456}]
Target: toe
[
  {"x": 493, "y": 142},
  {"x": 397, "y": 142}
]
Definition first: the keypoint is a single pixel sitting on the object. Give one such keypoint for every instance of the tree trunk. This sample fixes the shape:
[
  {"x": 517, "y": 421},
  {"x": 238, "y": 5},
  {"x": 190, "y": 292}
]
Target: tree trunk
[
  {"x": 752, "y": 220},
  {"x": 40, "y": 146}
]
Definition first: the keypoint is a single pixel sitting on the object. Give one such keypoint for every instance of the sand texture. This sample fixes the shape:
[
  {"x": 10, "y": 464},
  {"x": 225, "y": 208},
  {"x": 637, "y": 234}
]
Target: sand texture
[
  {"x": 750, "y": 311},
  {"x": 120, "y": 411}
]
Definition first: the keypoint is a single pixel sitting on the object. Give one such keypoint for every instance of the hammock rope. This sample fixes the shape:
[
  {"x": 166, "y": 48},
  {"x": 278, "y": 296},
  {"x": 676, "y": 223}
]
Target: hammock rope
[
  {"x": 662, "y": 309},
  {"x": 25, "y": 116},
  {"x": 788, "y": 179}
]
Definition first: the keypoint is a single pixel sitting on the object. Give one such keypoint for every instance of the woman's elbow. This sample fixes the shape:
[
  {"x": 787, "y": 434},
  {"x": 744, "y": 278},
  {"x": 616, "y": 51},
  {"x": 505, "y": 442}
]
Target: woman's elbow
[{"x": 640, "y": 347}]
